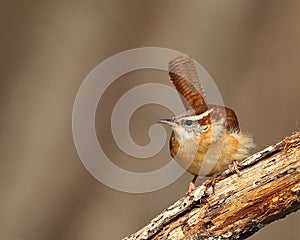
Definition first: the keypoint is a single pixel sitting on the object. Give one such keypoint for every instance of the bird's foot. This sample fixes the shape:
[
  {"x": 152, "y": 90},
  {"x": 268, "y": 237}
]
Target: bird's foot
[
  {"x": 234, "y": 167},
  {"x": 210, "y": 184},
  {"x": 192, "y": 185}
]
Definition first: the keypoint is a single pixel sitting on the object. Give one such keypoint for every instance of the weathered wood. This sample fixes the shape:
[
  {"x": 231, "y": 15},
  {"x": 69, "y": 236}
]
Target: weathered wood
[{"x": 268, "y": 189}]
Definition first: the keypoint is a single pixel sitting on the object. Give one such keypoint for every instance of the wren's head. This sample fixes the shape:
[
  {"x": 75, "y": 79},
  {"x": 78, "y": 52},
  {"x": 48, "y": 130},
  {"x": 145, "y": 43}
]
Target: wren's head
[
  {"x": 188, "y": 125},
  {"x": 216, "y": 120}
]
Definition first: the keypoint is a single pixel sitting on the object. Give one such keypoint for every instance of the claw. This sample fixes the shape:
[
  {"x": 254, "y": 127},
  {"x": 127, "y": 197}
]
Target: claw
[
  {"x": 234, "y": 167},
  {"x": 192, "y": 185}
]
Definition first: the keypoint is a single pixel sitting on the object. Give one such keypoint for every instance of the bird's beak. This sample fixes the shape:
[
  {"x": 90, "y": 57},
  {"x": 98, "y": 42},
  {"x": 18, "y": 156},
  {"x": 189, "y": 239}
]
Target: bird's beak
[{"x": 169, "y": 122}]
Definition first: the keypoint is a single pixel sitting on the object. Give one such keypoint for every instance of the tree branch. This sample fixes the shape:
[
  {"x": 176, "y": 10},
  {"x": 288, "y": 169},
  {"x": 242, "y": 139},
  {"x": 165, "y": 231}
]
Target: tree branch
[{"x": 268, "y": 189}]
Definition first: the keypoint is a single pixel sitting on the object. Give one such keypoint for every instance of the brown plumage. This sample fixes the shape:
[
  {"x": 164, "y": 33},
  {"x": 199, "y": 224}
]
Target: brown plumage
[
  {"x": 206, "y": 138},
  {"x": 183, "y": 74}
]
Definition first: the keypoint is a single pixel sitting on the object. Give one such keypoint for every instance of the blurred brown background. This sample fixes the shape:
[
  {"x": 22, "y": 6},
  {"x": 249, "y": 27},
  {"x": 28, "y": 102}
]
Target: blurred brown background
[{"x": 251, "y": 48}]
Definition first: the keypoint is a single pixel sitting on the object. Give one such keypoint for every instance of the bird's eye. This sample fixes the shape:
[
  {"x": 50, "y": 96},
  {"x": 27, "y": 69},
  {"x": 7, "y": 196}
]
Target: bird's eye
[{"x": 188, "y": 122}]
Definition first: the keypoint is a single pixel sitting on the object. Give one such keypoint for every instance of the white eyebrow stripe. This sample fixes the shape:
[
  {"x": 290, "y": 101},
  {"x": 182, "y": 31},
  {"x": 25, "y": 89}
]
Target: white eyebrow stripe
[{"x": 198, "y": 117}]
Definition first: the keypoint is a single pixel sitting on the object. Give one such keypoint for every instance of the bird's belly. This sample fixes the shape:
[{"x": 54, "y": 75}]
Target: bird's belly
[
  {"x": 207, "y": 159},
  {"x": 203, "y": 163}
]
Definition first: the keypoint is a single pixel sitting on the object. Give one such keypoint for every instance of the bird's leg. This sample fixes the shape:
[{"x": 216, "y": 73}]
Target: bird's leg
[{"x": 192, "y": 184}]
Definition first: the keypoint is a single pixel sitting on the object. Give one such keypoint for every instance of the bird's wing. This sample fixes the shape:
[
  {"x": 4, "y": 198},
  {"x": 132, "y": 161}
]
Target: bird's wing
[{"x": 184, "y": 75}]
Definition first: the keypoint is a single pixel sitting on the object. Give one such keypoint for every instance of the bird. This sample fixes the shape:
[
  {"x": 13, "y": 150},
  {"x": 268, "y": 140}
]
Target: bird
[{"x": 206, "y": 139}]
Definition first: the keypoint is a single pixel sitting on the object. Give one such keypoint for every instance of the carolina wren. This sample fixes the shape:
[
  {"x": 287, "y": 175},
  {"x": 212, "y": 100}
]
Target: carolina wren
[{"x": 205, "y": 139}]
